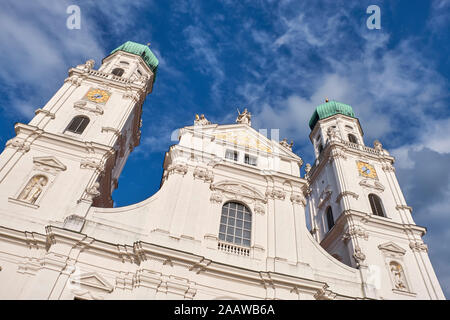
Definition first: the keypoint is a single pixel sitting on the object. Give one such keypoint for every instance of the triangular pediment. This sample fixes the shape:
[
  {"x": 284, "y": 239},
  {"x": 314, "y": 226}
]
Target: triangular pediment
[
  {"x": 50, "y": 161},
  {"x": 245, "y": 136},
  {"x": 392, "y": 247},
  {"x": 94, "y": 280}
]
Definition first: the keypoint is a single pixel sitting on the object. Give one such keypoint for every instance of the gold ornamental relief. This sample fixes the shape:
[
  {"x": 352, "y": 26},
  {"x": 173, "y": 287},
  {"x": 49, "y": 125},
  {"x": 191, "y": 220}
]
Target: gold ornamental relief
[{"x": 243, "y": 139}]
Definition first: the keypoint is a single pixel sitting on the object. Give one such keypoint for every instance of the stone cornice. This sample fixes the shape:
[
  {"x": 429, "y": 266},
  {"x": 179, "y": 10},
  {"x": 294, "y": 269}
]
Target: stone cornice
[
  {"x": 140, "y": 252},
  {"x": 66, "y": 142},
  {"x": 388, "y": 224}
]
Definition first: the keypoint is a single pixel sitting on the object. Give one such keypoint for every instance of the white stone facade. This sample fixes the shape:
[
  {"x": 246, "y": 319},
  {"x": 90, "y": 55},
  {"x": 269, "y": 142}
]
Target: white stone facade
[{"x": 60, "y": 238}]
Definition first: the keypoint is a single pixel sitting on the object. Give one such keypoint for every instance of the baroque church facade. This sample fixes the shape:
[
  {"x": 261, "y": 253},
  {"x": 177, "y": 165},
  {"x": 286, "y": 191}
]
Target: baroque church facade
[{"x": 229, "y": 220}]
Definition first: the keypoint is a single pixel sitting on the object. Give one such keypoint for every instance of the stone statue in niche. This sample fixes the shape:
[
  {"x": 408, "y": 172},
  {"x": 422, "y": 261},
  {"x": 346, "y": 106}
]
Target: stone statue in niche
[
  {"x": 398, "y": 275},
  {"x": 33, "y": 189},
  {"x": 244, "y": 117}
]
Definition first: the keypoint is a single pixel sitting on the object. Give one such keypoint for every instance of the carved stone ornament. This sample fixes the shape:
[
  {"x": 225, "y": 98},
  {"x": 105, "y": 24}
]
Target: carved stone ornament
[
  {"x": 298, "y": 198},
  {"x": 388, "y": 167},
  {"x": 92, "y": 164},
  {"x": 346, "y": 194},
  {"x": 142, "y": 80},
  {"x": 355, "y": 232},
  {"x": 371, "y": 184},
  {"x": 203, "y": 174},
  {"x": 403, "y": 207},
  {"x": 325, "y": 294},
  {"x": 201, "y": 120},
  {"x": 92, "y": 192},
  {"x": 75, "y": 80},
  {"x": 111, "y": 129},
  {"x": 418, "y": 246},
  {"x": 131, "y": 93},
  {"x": 336, "y": 154},
  {"x": 20, "y": 145},
  {"x": 275, "y": 193},
  {"x": 216, "y": 197},
  {"x": 332, "y": 134},
  {"x": 238, "y": 191},
  {"x": 359, "y": 255},
  {"x": 259, "y": 208},
  {"x": 178, "y": 168},
  {"x": 83, "y": 105}
]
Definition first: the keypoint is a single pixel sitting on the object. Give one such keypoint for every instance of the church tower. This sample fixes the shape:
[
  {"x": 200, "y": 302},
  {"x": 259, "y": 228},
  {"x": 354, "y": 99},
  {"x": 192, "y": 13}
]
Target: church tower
[
  {"x": 358, "y": 212},
  {"x": 70, "y": 155}
]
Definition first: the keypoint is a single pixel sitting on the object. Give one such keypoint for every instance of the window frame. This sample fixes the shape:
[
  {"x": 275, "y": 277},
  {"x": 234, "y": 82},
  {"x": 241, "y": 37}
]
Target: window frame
[
  {"x": 351, "y": 137},
  {"x": 377, "y": 200},
  {"x": 250, "y": 157},
  {"x": 123, "y": 71},
  {"x": 229, "y": 222},
  {"x": 78, "y": 126},
  {"x": 329, "y": 216},
  {"x": 235, "y": 155}
]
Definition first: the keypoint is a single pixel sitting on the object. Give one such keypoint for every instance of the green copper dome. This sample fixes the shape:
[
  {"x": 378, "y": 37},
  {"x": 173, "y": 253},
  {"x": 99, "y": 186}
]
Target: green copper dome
[
  {"x": 329, "y": 109},
  {"x": 141, "y": 50}
]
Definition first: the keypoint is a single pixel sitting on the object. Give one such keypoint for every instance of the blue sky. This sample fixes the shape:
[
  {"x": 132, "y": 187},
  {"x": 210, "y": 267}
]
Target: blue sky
[{"x": 277, "y": 58}]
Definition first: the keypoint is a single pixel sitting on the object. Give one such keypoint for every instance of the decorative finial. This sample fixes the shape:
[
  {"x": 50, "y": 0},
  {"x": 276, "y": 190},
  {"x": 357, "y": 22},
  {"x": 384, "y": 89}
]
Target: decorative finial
[
  {"x": 326, "y": 100},
  {"x": 148, "y": 44}
]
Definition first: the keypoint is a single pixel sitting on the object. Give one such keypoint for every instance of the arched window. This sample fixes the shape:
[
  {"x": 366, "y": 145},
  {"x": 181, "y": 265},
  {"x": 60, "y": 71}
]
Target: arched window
[
  {"x": 78, "y": 124},
  {"x": 118, "y": 72},
  {"x": 352, "y": 138},
  {"x": 376, "y": 205},
  {"x": 235, "y": 224},
  {"x": 330, "y": 219}
]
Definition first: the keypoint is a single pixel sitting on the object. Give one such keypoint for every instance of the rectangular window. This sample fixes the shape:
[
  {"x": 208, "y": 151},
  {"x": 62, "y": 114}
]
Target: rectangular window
[
  {"x": 232, "y": 155},
  {"x": 250, "y": 160}
]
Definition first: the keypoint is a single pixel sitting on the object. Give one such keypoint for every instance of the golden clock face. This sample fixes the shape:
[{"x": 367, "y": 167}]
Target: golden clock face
[
  {"x": 366, "y": 170},
  {"x": 98, "y": 95}
]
